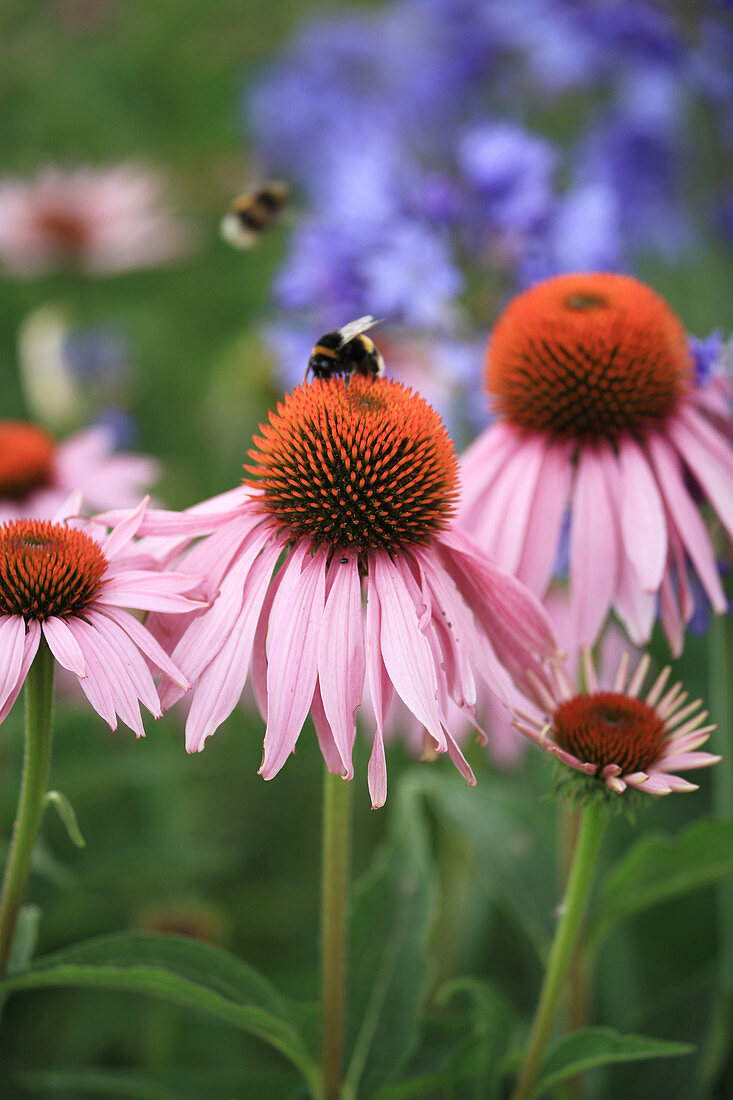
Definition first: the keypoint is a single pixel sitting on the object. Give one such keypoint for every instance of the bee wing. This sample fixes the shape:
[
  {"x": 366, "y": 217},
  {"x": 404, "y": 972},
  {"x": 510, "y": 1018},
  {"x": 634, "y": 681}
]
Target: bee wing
[{"x": 355, "y": 328}]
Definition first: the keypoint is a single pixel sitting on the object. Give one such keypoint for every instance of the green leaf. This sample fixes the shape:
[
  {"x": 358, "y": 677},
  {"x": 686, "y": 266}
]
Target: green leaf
[
  {"x": 660, "y": 867},
  {"x": 66, "y": 812},
  {"x": 169, "y": 1085},
  {"x": 513, "y": 835},
  {"x": 182, "y": 971},
  {"x": 482, "y": 1059},
  {"x": 599, "y": 1046},
  {"x": 393, "y": 912}
]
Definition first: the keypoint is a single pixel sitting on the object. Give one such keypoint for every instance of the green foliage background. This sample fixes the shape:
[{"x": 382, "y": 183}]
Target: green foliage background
[{"x": 173, "y": 838}]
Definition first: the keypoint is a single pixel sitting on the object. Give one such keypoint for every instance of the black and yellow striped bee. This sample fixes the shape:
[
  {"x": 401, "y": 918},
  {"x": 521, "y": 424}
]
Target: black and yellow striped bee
[
  {"x": 253, "y": 212},
  {"x": 346, "y": 351}
]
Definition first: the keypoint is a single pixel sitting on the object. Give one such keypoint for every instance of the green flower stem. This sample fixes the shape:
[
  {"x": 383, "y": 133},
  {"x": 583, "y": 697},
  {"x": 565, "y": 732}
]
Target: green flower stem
[
  {"x": 336, "y": 857},
  {"x": 580, "y": 880},
  {"x": 31, "y": 803}
]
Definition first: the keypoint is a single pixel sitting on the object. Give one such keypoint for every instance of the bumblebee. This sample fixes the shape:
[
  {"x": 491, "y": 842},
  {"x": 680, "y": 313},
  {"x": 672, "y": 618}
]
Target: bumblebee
[
  {"x": 346, "y": 351},
  {"x": 253, "y": 212}
]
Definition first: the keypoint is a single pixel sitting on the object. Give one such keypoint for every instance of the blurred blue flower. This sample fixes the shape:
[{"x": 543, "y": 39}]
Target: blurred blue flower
[
  {"x": 706, "y": 353},
  {"x": 511, "y": 171},
  {"x": 416, "y": 133}
]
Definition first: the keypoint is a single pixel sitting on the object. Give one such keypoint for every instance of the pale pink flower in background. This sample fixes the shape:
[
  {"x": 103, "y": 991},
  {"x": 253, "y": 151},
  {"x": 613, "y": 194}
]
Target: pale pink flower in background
[
  {"x": 70, "y": 589},
  {"x": 615, "y": 737},
  {"x": 37, "y": 474},
  {"x": 597, "y": 412},
  {"x": 351, "y": 496},
  {"x": 95, "y": 220}
]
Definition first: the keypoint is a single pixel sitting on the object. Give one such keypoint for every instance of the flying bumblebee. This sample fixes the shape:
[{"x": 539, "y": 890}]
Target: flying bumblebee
[
  {"x": 253, "y": 212},
  {"x": 346, "y": 351}
]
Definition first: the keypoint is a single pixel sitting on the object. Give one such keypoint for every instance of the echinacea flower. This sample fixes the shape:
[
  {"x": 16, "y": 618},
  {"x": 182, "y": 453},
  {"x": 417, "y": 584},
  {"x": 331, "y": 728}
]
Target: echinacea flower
[
  {"x": 37, "y": 475},
  {"x": 95, "y": 220},
  {"x": 592, "y": 380},
  {"x": 353, "y": 485},
  {"x": 72, "y": 589},
  {"x": 615, "y": 736}
]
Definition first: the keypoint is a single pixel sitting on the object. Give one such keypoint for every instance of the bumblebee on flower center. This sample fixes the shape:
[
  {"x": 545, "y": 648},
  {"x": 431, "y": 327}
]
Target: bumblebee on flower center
[{"x": 363, "y": 465}]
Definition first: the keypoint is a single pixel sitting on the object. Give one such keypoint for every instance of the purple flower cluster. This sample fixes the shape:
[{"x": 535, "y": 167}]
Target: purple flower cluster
[{"x": 416, "y": 136}]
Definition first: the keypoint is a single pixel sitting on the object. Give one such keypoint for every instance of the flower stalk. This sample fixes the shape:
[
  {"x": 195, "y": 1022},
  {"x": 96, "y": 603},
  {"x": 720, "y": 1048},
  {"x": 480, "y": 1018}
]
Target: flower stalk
[
  {"x": 336, "y": 858},
  {"x": 580, "y": 880},
  {"x": 32, "y": 800}
]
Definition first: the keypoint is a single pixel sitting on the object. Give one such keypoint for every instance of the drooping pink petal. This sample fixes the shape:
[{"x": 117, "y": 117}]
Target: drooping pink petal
[
  {"x": 635, "y": 608},
  {"x": 95, "y": 684},
  {"x": 207, "y": 633},
  {"x": 63, "y": 645},
  {"x": 686, "y": 518},
  {"x": 12, "y": 648},
  {"x": 341, "y": 656},
  {"x": 546, "y": 514},
  {"x": 222, "y": 681},
  {"x": 480, "y": 464},
  {"x": 710, "y": 458},
  {"x": 594, "y": 551},
  {"x": 147, "y": 644},
  {"x": 326, "y": 741},
  {"x": 380, "y": 691},
  {"x": 30, "y": 648},
  {"x": 131, "y": 660},
  {"x": 405, "y": 649},
  {"x": 292, "y": 653},
  {"x": 377, "y": 771},
  {"x": 506, "y": 509},
  {"x": 643, "y": 522}
]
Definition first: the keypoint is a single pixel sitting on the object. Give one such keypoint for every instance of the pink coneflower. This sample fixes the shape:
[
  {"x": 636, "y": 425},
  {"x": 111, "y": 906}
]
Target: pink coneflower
[
  {"x": 95, "y": 220},
  {"x": 62, "y": 584},
  {"x": 616, "y": 737},
  {"x": 37, "y": 474},
  {"x": 591, "y": 377},
  {"x": 353, "y": 487}
]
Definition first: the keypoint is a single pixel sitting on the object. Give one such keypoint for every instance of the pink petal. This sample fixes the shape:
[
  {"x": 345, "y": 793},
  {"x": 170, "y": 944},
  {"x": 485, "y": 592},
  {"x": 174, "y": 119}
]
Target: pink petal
[
  {"x": 480, "y": 464},
  {"x": 29, "y": 649},
  {"x": 501, "y": 526},
  {"x": 377, "y": 771},
  {"x": 12, "y": 650},
  {"x": 220, "y": 685},
  {"x": 292, "y": 654},
  {"x": 687, "y": 520},
  {"x": 64, "y": 645},
  {"x": 594, "y": 550},
  {"x": 125, "y": 530},
  {"x": 341, "y": 656},
  {"x": 643, "y": 522},
  {"x": 130, "y": 658},
  {"x": 710, "y": 457},
  {"x": 207, "y": 633},
  {"x": 146, "y": 643},
  {"x": 96, "y": 684},
  {"x": 635, "y": 608},
  {"x": 683, "y": 761},
  {"x": 405, "y": 649},
  {"x": 326, "y": 742},
  {"x": 148, "y": 591},
  {"x": 550, "y": 501}
]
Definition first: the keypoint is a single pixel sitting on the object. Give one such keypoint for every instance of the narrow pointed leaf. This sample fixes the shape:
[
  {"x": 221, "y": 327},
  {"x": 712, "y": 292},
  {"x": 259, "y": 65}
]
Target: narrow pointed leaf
[
  {"x": 599, "y": 1046},
  {"x": 182, "y": 971}
]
